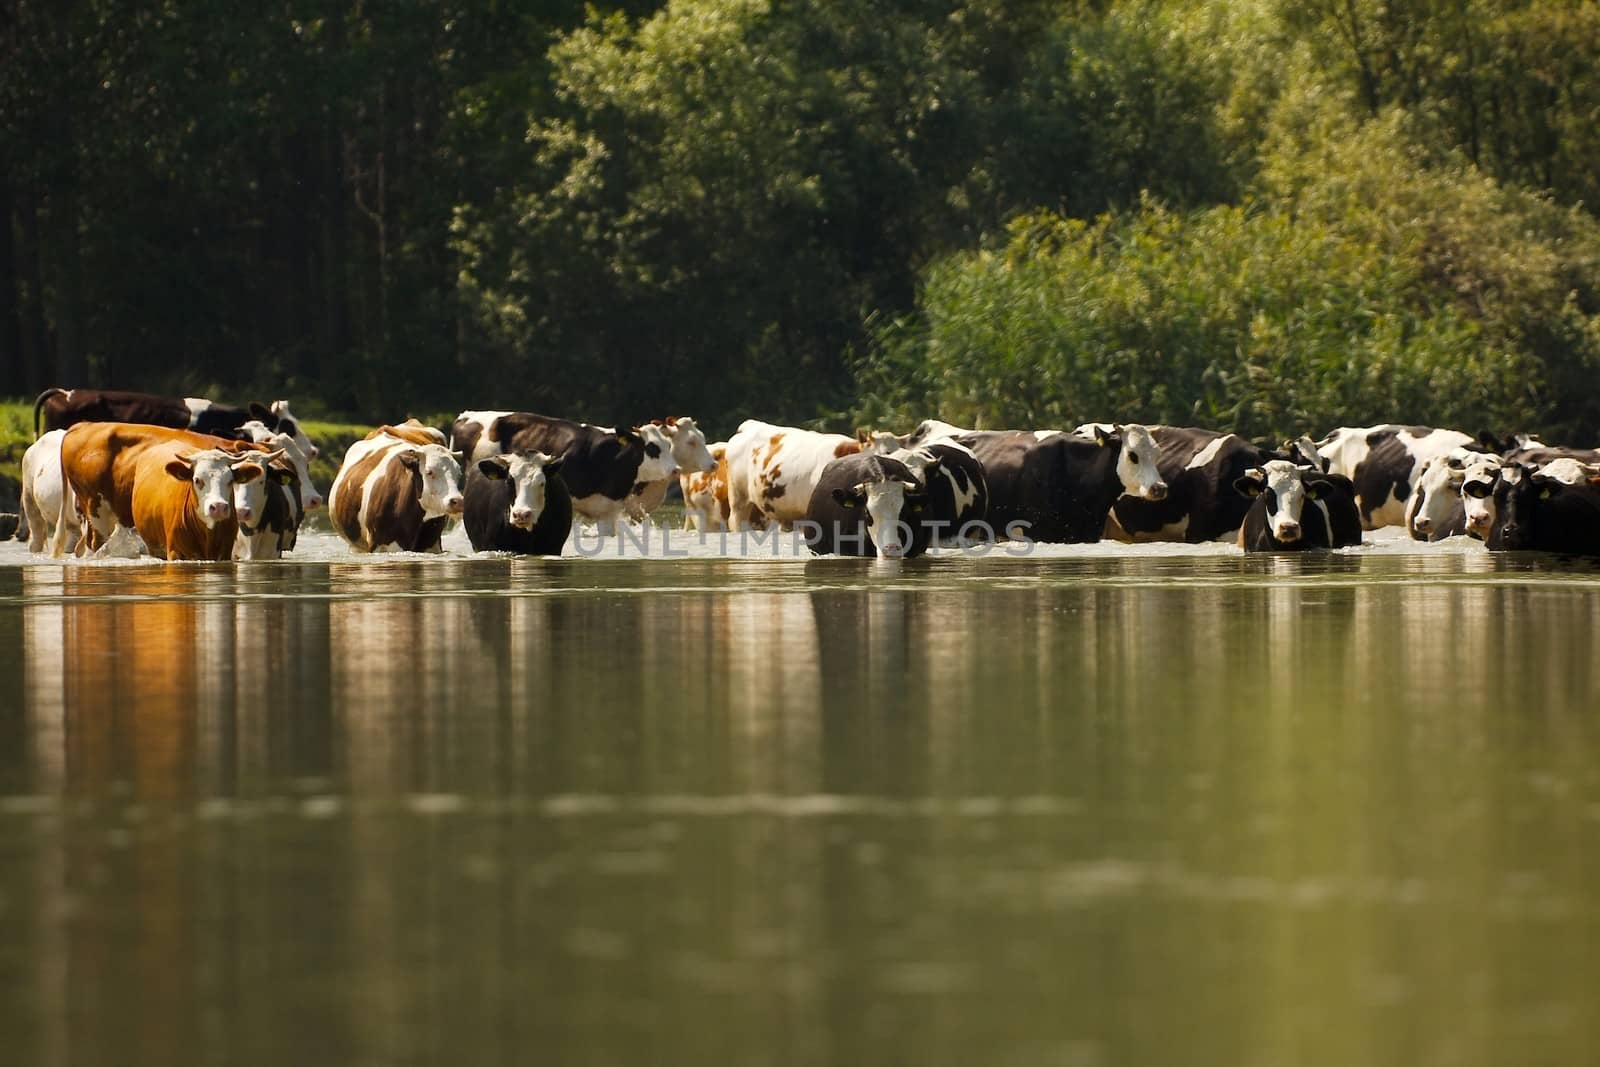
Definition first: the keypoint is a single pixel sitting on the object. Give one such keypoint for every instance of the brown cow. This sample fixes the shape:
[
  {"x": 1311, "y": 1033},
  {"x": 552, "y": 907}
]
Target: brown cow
[
  {"x": 393, "y": 493},
  {"x": 98, "y": 465},
  {"x": 183, "y": 499}
]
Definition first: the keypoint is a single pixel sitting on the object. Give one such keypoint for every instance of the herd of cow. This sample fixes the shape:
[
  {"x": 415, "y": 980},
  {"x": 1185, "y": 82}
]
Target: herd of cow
[{"x": 125, "y": 473}]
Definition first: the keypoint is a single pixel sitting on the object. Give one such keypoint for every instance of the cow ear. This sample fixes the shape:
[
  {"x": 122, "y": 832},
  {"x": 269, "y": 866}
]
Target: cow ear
[
  {"x": 495, "y": 468},
  {"x": 1101, "y": 438},
  {"x": 930, "y": 468},
  {"x": 1315, "y": 487},
  {"x": 282, "y": 475},
  {"x": 260, "y": 411},
  {"x": 181, "y": 469},
  {"x": 1247, "y": 486},
  {"x": 245, "y": 473},
  {"x": 626, "y": 437},
  {"x": 844, "y": 497},
  {"x": 411, "y": 459},
  {"x": 553, "y": 466}
]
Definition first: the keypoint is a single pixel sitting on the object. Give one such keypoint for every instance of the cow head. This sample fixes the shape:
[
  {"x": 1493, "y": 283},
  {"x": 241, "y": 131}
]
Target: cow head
[
  {"x": 259, "y": 433},
  {"x": 278, "y": 419},
  {"x": 529, "y": 472},
  {"x": 253, "y": 473},
  {"x": 1478, "y": 481},
  {"x": 1136, "y": 461},
  {"x": 879, "y": 442},
  {"x": 1436, "y": 494},
  {"x": 1286, "y": 488},
  {"x": 891, "y": 506},
  {"x": 440, "y": 471},
  {"x": 658, "y": 462},
  {"x": 1303, "y": 452},
  {"x": 689, "y": 449},
  {"x": 212, "y": 475}
]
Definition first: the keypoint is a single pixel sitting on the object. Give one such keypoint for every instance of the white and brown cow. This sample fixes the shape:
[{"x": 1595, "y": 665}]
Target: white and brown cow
[
  {"x": 705, "y": 493},
  {"x": 773, "y": 470},
  {"x": 1383, "y": 462},
  {"x": 690, "y": 454},
  {"x": 392, "y": 494}
]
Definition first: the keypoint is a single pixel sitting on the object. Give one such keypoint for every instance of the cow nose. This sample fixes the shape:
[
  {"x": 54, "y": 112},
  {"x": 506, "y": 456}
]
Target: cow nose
[
  {"x": 313, "y": 502},
  {"x": 1158, "y": 491},
  {"x": 245, "y": 514},
  {"x": 1423, "y": 525},
  {"x": 453, "y": 504},
  {"x": 1289, "y": 531},
  {"x": 522, "y": 517},
  {"x": 218, "y": 509},
  {"x": 708, "y": 466}
]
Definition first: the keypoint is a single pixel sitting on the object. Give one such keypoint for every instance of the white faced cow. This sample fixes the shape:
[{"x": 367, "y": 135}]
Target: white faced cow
[{"x": 393, "y": 494}]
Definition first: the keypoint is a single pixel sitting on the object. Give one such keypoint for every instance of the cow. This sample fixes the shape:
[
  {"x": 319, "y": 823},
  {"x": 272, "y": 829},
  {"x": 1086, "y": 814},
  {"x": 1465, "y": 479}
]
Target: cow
[
  {"x": 929, "y": 430},
  {"x": 268, "y": 509},
  {"x": 261, "y": 434},
  {"x": 602, "y": 466},
  {"x": 689, "y": 453},
  {"x": 517, "y": 502},
  {"x": 1435, "y": 509},
  {"x": 1484, "y": 474},
  {"x": 1537, "y": 513},
  {"x": 1199, "y": 468},
  {"x": 1383, "y": 462},
  {"x": 1295, "y": 508},
  {"x": 705, "y": 494},
  {"x": 867, "y": 505},
  {"x": 1055, "y": 486},
  {"x": 62, "y": 408},
  {"x": 958, "y": 491},
  {"x": 773, "y": 471},
  {"x": 99, "y": 461},
  {"x": 394, "y": 494},
  {"x": 44, "y": 494},
  {"x": 183, "y": 499}
]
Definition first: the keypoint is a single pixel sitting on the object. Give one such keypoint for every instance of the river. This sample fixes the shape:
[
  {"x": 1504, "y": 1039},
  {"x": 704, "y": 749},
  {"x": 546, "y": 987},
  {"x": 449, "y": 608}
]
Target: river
[{"x": 1094, "y": 805}]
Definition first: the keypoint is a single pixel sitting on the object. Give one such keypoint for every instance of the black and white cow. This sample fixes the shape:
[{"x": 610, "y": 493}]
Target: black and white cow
[
  {"x": 61, "y": 408},
  {"x": 929, "y": 430},
  {"x": 1383, "y": 462},
  {"x": 958, "y": 491},
  {"x": 1200, "y": 468},
  {"x": 517, "y": 502},
  {"x": 1538, "y": 513},
  {"x": 1296, "y": 508},
  {"x": 602, "y": 467},
  {"x": 867, "y": 506},
  {"x": 1048, "y": 485}
]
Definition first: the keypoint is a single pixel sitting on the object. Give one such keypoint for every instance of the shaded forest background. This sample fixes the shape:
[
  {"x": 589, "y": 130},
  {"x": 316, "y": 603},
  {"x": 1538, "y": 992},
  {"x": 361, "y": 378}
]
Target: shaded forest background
[{"x": 1272, "y": 215}]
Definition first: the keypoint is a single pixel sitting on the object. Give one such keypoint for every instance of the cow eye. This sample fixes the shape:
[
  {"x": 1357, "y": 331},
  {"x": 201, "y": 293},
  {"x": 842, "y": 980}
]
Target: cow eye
[{"x": 1133, "y": 457}]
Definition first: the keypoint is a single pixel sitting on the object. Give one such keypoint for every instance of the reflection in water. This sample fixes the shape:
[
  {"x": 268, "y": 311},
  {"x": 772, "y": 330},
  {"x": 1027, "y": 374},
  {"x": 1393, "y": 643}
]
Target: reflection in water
[{"x": 1076, "y": 811}]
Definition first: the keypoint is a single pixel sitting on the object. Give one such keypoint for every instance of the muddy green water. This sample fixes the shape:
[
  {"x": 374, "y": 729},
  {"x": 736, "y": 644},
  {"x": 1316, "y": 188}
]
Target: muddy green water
[{"x": 1110, "y": 808}]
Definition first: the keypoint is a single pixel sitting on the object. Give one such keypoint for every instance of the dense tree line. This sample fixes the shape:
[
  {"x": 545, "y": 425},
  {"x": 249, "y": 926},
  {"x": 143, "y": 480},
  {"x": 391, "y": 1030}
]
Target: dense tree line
[{"x": 1271, "y": 214}]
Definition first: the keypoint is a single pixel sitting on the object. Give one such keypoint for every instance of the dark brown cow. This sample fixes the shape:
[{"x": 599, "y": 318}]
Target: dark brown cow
[
  {"x": 62, "y": 408},
  {"x": 392, "y": 493}
]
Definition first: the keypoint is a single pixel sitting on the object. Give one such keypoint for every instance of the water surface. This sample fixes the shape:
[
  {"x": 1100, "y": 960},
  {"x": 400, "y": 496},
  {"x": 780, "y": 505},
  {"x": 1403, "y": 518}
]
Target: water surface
[{"x": 1097, "y": 806}]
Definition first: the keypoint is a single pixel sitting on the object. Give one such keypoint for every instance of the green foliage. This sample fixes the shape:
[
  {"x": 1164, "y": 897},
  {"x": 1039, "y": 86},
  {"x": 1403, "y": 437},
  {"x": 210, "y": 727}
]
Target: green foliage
[
  {"x": 1360, "y": 288},
  {"x": 1259, "y": 212}
]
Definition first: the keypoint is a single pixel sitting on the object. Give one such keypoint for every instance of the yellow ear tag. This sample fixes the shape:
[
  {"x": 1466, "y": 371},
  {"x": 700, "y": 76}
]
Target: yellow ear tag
[{"x": 1545, "y": 495}]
